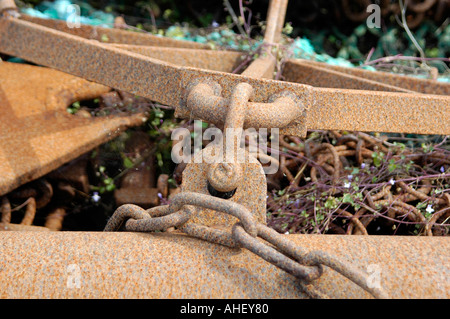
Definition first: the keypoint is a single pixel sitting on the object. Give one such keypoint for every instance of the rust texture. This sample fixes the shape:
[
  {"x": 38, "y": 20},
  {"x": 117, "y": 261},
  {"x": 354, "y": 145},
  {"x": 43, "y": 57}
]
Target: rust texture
[
  {"x": 334, "y": 76},
  {"x": 275, "y": 21},
  {"x": 203, "y": 103},
  {"x": 6, "y": 5},
  {"x": 251, "y": 193},
  {"x": 226, "y": 175},
  {"x": 132, "y": 265},
  {"x": 35, "y": 99},
  {"x": 107, "y": 35},
  {"x": 222, "y": 61},
  {"x": 304, "y": 72},
  {"x": 396, "y": 112}
]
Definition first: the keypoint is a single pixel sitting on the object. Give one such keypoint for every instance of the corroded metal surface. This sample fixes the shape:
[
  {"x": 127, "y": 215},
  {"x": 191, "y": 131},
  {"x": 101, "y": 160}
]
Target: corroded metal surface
[
  {"x": 285, "y": 111},
  {"x": 37, "y": 134},
  {"x": 307, "y": 73},
  {"x": 6, "y": 5},
  {"x": 251, "y": 192},
  {"x": 136, "y": 265},
  {"x": 275, "y": 21},
  {"x": 334, "y": 76},
  {"x": 108, "y": 35},
  {"x": 222, "y": 61},
  {"x": 396, "y": 112}
]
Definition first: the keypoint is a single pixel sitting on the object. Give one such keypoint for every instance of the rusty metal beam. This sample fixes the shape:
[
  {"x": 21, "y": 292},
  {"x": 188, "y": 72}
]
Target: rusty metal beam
[
  {"x": 264, "y": 66},
  {"x": 222, "y": 61},
  {"x": 261, "y": 68},
  {"x": 137, "y": 265},
  {"x": 302, "y": 71},
  {"x": 108, "y": 35},
  {"x": 356, "y": 110},
  {"x": 426, "y": 86}
]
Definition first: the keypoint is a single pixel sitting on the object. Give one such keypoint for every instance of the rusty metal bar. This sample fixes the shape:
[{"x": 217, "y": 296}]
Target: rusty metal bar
[
  {"x": 396, "y": 112},
  {"x": 402, "y": 81},
  {"x": 137, "y": 265},
  {"x": 222, "y": 61},
  {"x": 262, "y": 67},
  {"x": 109, "y": 35},
  {"x": 302, "y": 71},
  {"x": 6, "y": 5}
]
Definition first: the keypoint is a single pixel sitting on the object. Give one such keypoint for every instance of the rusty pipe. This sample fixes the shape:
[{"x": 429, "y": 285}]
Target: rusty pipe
[
  {"x": 204, "y": 103},
  {"x": 158, "y": 265}
]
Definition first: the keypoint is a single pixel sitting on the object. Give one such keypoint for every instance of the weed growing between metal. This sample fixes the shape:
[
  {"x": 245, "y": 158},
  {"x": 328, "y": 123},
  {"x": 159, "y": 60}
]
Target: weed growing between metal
[
  {"x": 332, "y": 182},
  {"x": 389, "y": 184}
]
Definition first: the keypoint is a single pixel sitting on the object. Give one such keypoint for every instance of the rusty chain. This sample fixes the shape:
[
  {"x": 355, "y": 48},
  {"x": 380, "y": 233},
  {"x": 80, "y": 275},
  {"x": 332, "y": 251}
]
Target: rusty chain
[{"x": 282, "y": 253}]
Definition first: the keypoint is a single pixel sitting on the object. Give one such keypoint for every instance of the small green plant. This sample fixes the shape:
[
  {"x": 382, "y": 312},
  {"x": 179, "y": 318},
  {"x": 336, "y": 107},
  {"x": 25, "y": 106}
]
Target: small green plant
[
  {"x": 107, "y": 183},
  {"x": 377, "y": 158},
  {"x": 74, "y": 108}
]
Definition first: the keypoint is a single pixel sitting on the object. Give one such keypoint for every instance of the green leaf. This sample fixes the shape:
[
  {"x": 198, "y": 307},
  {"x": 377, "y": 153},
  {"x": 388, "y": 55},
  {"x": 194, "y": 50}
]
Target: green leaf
[
  {"x": 347, "y": 198},
  {"x": 392, "y": 166},
  {"x": 331, "y": 203},
  {"x": 377, "y": 158},
  {"x": 421, "y": 205}
]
